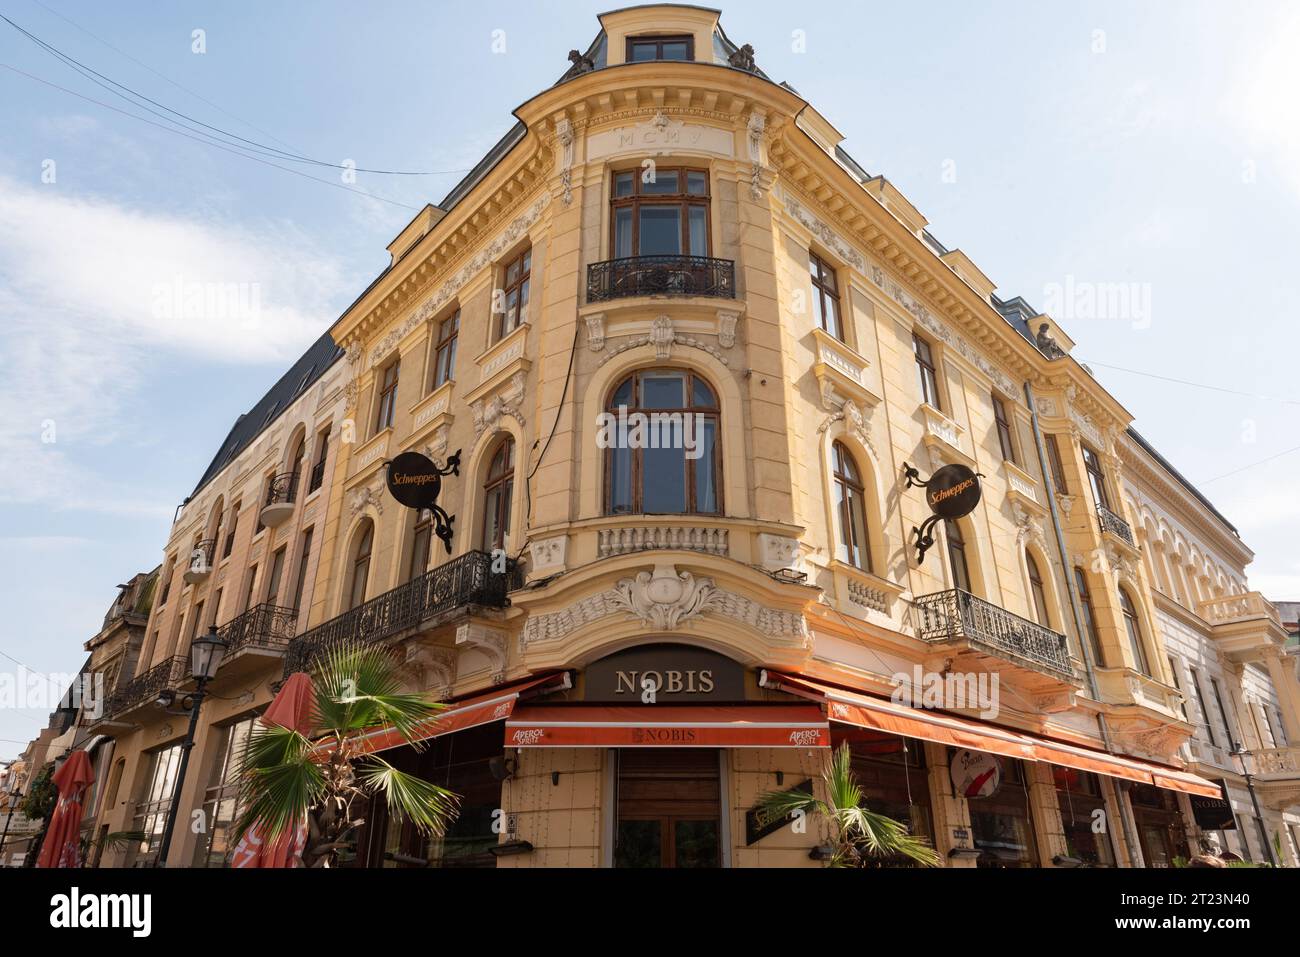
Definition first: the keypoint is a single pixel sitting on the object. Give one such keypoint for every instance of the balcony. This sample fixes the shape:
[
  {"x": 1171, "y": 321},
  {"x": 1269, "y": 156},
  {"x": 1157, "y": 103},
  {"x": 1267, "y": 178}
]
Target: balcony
[
  {"x": 281, "y": 492},
  {"x": 200, "y": 561},
  {"x": 1277, "y": 776},
  {"x": 661, "y": 276},
  {"x": 144, "y": 689},
  {"x": 1245, "y": 626},
  {"x": 1112, "y": 523},
  {"x": 958, "y": 616},
  {"x": 264, "y": 631},
  {"x": 439, "y": 594}
]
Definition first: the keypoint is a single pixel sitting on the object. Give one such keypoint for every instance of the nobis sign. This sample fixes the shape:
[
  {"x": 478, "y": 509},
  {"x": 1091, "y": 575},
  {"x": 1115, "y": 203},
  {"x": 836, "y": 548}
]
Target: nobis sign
[
  {"x": 415, "y": 481},
  {"x": 952, "y": 491}
]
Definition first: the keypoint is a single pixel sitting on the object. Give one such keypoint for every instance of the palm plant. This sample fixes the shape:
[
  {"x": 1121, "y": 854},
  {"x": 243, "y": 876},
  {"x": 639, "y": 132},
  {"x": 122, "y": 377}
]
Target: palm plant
[
  {"x": 287, "y": 778},
  {"x": 860, "y": 834}
]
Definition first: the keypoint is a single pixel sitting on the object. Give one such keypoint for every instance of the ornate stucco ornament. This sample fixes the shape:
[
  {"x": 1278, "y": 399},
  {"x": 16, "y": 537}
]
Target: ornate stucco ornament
[
  {"x": 487, "y": 412},
  {"x": 366, "y": 495},
  {"x": 856, "y": 421},
  {"x": 564, "y": 136},
  {"x": 755, "y": 129},
  {"x": 665, "y": 597}
]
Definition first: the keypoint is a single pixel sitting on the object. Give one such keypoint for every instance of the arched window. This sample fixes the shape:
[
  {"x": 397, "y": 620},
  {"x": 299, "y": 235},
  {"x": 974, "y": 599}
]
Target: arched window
[
  {"x": 1134, "y": 632},
  {"x": 662, "y": 454},
  {"x": 361, "y": 565},
  {"x": 498, "y": 490},
  {"x": 957, "y": 555},
  {"x": 853, "y": 545},
  {"x": 1037, "y": 591},
  {"x": 1089, "y": 617}
]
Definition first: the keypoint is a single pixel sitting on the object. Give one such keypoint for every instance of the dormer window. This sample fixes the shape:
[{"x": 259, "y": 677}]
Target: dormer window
[{"x": 644, "y": 49}]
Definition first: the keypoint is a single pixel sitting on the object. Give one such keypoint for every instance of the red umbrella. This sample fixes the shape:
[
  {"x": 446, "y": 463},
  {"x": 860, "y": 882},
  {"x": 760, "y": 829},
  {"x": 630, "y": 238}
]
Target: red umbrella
[
  {"x": 292, "y": 708},
  {"x": 62, "y": 847}
]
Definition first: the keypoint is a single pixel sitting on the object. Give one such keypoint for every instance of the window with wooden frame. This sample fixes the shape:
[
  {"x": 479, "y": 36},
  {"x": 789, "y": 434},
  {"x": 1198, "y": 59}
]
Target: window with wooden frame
[
  {"x": 303, "y": 560},
  {"x": 1055, "y": 465},
  {"x": 249, "y": 587},
  {"x": 421, "y": 538},
  {"x": 230, "y": 535},
  {"x": 1096, "y": 477},
  {"x": 361, "y": 565},
  {"x": 926, "y": 373},
  {"x": 957, "y": 555},
  {"x": 646, "y": 49},
  {"x": 1205, "y": 711},
  {"x": 444, "y": 351},
  {"x": 322, "y": 452},
  {"x": 1089, "y": 617},
  {"x": 516, "y": 278},
  {"x": 826, "y": 296},
  {"x": 498, "y": 491},
  {"x": 277, "y": 573},
  {"x": 1037, "y": 591},
  {"x": 853, "y": 545},
  {"x": 386, "y": 395},
  {"x": 1006, "y": 439},
  {"x": 662, "y": 211},
  {"x": 1134, "y": 630},
  {"x": 654, "y": 474}
]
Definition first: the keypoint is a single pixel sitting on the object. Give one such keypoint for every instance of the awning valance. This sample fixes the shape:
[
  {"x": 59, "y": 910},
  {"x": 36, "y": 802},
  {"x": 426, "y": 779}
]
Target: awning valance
[
  {"x": 668, "y": 726},
  {"x": 880, "y": 714},
  {"x": 495, "y": 705}
]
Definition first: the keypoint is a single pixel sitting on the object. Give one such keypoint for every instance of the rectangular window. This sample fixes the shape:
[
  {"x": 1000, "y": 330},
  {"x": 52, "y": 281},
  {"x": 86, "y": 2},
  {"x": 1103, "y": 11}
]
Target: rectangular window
[
  {"x": 196, "y": 621},
  {"x": 444, "y": 354},
  {"x": 230, "y": 535},
  {"x": 1223, "y": 714},
  {"x": 420, "y": 541},
  {"x": 925, "y": 372},
  {"x": 1205, "y": 711},
  {"x": 517, "y": 279},
  {"x": 167, "y": 581},
  {"x": 273, "y": 580},
  {"x": 302, "y": 569},
  {"x": 387, "y": 404},
  {"x": 1005, "y": 439},
  {"x": 1055, "y": 465},
  {"x": 660, "y": 212},
  {"x": 1096, "y": 478},
  {"x": 826, "y": 296},
  {"x": 221, "y": 799},
  {"x": 151, "y": 810},
  {"x": 264, "y": 498},
  {"x": 1178, "y": 686},
  {"x": 322, "y": 452},
  {"x": 249, "y": 591},
  {"x": 645, "y": 49}
]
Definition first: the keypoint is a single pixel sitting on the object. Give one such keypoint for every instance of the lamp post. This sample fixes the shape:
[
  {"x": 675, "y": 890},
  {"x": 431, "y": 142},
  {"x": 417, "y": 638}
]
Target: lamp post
[
  {"x": 205, "y": 658},
  {"x": 14, "y": 799},
  {"x": 1241, "y": 753}
]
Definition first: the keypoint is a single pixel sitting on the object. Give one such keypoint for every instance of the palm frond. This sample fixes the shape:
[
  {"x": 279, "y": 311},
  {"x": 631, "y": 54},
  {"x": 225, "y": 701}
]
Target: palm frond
[
  {"x": 359, "y": 686},
  {"x": 278, "y": 780},
  {"x": 427, "y": 806},
  {"x": 781, "y": 805}
]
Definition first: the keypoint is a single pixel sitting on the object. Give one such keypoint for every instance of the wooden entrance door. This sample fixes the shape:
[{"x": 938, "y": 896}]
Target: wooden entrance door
[{"x": 669, "y": 808}]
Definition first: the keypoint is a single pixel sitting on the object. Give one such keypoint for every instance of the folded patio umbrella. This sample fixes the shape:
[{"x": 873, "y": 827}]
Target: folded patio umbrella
[
  {"x": 291, "y": 708},
  {"x": 62, "y": 847}
]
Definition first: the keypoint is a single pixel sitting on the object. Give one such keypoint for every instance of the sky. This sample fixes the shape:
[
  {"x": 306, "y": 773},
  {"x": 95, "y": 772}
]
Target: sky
[{"x": 1149, "y": 151}]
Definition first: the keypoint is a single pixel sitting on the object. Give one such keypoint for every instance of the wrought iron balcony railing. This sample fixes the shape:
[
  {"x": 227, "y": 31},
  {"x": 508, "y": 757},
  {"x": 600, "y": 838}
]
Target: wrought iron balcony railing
[
  {"x": 282, "y": 488},
  {"x": 959, "y": 614},
  {"x": 661, "y": 276},
  {"x": 167, "y": 675},
  {"x": 1110, "y": 522},
  {"x": 467, "y": 580},
  {"x": 262, "y": 626}
]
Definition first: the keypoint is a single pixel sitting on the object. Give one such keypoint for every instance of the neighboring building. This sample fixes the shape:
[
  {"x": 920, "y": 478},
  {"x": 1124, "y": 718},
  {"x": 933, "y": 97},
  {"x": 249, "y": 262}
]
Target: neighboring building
[
  {"x": 17, "y": 829},
  {"x": 241, "y": 556},
  {"x": 1227, "y": 652},
  {"x": 651, "y": 638}
]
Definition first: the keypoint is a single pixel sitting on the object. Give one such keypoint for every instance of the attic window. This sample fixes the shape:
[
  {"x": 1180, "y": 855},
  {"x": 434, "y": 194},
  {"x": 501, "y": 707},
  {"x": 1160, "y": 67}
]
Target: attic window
[
  {"x": 305, "y": 379},
  {"x": 644, "y": 49},
  {"x": 270, "y": 414}
]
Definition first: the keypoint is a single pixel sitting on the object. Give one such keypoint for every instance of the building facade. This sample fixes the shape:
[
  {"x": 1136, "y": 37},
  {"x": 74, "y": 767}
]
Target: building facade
[{"x": 687, "y": 354}]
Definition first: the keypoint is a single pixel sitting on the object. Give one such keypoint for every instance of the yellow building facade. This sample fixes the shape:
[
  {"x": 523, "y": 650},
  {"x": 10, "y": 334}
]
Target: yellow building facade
[{"x": 667, "y": 630}]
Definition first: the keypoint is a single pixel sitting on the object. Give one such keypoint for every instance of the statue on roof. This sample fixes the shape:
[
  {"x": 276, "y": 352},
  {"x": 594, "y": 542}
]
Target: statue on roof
[
  {"x": 581, "y": 63},
  {"x": 1046, "y": 343},
  {"x": 743, "y": 59}
]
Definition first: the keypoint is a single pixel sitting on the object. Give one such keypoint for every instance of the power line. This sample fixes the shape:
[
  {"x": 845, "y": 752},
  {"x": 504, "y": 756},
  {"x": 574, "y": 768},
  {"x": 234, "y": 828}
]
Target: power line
[
  {"x": 226, "y": 149},
  {"x": 91, "y": 74},
  {"x": 1196, "y": 385},
  {"x": 1252, "y": 465}
]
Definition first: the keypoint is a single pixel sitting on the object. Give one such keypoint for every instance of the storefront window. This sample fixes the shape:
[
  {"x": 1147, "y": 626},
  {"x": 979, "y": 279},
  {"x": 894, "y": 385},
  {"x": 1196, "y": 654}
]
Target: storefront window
[
  {"x": 890, "y": 770},
  {"x": 1079, "y": 797},
  {"x": 221, "y": 803},
  {"x": 151, "y": 810},
  {"x": 1001, "y": 825}
]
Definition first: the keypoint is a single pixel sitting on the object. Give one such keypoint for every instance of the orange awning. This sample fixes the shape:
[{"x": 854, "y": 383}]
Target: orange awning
[
  {"x": 868, "y": 711},
  {"x": 495, "y": 705},
  {"x": 668, "y": 726}
]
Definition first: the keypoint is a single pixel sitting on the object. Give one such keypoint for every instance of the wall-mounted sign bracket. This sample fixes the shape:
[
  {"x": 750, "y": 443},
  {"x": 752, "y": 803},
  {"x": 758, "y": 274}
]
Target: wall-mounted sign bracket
[
  {"x": 951, "y": 492},
  {"x": 415, "y": 480}
]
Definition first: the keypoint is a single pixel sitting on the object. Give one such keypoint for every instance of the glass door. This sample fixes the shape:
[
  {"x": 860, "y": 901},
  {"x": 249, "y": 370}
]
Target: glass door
[{"x": 669, "y": 808}]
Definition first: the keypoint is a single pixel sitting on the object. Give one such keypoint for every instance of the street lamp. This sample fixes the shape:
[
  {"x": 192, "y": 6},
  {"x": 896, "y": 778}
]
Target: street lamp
[
  {"x": 1241, "y": 753},
  {"x": 205, "y": 658}
]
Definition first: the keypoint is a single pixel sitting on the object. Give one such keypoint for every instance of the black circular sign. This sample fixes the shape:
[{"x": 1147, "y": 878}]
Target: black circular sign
[
  {"x": 953, "y": 491},
  {"x": 413, "y": 480}
]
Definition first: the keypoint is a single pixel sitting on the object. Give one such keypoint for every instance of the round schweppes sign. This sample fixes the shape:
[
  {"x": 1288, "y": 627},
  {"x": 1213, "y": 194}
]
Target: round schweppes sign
[
  {"x": 414, "y": 480},
  {"x": 953, "y": 491}
]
